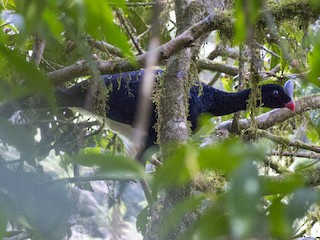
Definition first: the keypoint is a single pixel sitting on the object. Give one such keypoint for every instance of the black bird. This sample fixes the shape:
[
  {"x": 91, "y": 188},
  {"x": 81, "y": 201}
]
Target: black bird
[{"x": 122, "y": 101}]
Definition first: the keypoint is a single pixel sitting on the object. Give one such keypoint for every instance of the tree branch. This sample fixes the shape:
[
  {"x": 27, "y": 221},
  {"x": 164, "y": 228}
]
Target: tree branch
[
  {"x": 297, "y": 154},
  {"x": 276, "y": 116},
  {"x": 186, "y": 39},
  {"x": 217, "y": 67},
  {"x": 285, "y": 141},
  {"x": 222, "y": 50},
  {"x": 105, "y": 47},
  {"x": 216, "y": 21},
  {"x": 37, "y": 51},
  {"x": 308, "y": 178},
  {"x": 127, "y": 28}
]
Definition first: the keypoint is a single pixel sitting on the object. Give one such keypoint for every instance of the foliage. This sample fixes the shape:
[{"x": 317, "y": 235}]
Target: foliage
[{"x": 242, "y": 187}]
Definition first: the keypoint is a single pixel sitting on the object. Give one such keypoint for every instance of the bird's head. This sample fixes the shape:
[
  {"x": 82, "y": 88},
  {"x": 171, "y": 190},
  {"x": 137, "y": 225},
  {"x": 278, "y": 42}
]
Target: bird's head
[{"x": 275, "y": 96}]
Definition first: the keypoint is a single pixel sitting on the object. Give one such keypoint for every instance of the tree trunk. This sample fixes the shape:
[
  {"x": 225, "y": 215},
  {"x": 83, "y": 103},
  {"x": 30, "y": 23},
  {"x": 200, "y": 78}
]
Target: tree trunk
[{"x": 172, "y": 107}]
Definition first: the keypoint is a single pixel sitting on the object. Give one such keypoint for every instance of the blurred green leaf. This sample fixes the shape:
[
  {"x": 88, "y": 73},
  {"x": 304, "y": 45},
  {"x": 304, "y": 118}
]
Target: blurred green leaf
[
  {"x": 313, "y": 134},
  {"x": 243, "y": 198},
  {"x": 228, "y": 155},
  {"x": 280, "y": 226},
  {"x": 275, "y": 60},
  {"x": 212, "y": 223},
  {"x": 300, "y": 203},
  {"x": 30, "y": 13},
  {"x": 246, "y": 14},
  {"x": 185, "y": 163},
  {"x": 41, "y": 207},
  {"x": 32, "y": 80},
  {"x": 282, "y": 214},
  {"x": 314, "y": 56},
  {"x": 178, "y": 212},
  {"x": 110, "y": 166},
  {"x": 315, "y": 120},
  {"x": 173, "y": 172},
  {"x": 9, "y": 4},
  {"x": 240, "y": 24},
  {"x": 56, "y": 28},
  {"x": 99, "y": 12},
  {"x": 227, "y": 84},
  {"x": 18, "y": 137},
  {"x": 285, "y": 185},
  {"x": 142, "y": 221}
]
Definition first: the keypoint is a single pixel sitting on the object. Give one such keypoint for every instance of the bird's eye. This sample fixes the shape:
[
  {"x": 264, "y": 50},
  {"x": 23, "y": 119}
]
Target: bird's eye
[{"x": 275, "y": 93}]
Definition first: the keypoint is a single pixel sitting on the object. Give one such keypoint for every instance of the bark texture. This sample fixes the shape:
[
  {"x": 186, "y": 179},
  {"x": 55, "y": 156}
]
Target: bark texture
[{"x": 172, "y": 109}]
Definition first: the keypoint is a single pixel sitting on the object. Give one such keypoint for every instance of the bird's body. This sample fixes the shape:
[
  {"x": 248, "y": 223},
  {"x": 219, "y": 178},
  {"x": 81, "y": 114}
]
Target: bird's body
[{"x": 122, "y": 101}]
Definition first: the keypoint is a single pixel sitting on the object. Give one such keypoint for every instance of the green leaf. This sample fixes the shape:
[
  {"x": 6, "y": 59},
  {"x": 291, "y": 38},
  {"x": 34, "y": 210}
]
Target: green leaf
[
  {"x": 243, "y": 198},
  {"x": 18, "y": 137},
  {"x": 228, "y": 155},
  {"x": 275, "y": 60},
  {"x": 314, "y": 75},
  {"x": 173, "y": 172},
  {"x": 313, "y": 134},
  {"x": 212, "y": 223},
  {"x": 42, "y": 207},
  {"x": 33, "y": 80},
  {"x": 188, "y": 160},
  {"x": 282, "y": 215},
  {"x": 246, "y": 14},
  {"x": 280, "y": 226},
  {"x": 240, "y": 26},
  {"x": 285, "y": 185},
  {"x": 53, "y": 22},
  {"x": 99, "y": 23},
  {"x": 110, "y": 166},
  {"x": 315, "y": 120},
  {"x": 178, "y": 212},
  {"x": 142, "y": 221},
  {"x": 300, "y": 203}
]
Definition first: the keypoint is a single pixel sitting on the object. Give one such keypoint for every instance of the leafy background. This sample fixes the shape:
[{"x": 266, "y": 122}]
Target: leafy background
[{"x": 64, "y": 175}]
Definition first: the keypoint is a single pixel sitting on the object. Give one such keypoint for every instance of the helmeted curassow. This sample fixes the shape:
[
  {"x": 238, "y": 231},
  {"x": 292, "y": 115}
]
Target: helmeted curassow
[{"x": 122, "y": 101}]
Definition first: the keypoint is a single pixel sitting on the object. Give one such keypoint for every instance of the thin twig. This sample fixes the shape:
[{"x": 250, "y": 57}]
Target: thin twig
[
  {"x": 267, "y": 50},
  {"x": 285, "y": 141},
  {"x": 273, "y": 165},
  {"x": 105, "y": 47},
  {"x": 310, "y": 155},
  {"x": 123, "y": 22}
]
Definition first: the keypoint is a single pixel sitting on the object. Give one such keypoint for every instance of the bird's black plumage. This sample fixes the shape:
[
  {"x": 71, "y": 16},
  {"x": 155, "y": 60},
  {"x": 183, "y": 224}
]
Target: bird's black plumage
[{"x": 122, "y": 101}]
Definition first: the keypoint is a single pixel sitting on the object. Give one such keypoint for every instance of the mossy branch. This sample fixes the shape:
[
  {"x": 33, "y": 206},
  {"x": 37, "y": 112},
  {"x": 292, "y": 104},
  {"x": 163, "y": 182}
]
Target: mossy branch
[
  {"x": 221, "y": 21},
  {"x": 287, "y": 142},
  {"x": 273, "y": 117}
]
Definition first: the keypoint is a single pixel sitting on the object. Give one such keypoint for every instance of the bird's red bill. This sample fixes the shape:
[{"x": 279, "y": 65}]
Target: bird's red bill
[{"x": 291, "y": 105}]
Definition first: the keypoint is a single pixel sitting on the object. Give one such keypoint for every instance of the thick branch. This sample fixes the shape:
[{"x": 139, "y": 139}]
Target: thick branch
[
  {"x": 216, "y": 21},
  {"x": 276, "y": 116},
  {"x": 37, "y": 51},
  {"x": 217, "y": 67},
  {"x": 186, "y": 39},
  {"x": 222, "y": 50}
]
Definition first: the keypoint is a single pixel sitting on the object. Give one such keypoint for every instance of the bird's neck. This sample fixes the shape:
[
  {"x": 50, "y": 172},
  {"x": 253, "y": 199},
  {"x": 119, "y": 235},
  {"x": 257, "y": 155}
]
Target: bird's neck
[{"x": 228, "y": 102}]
